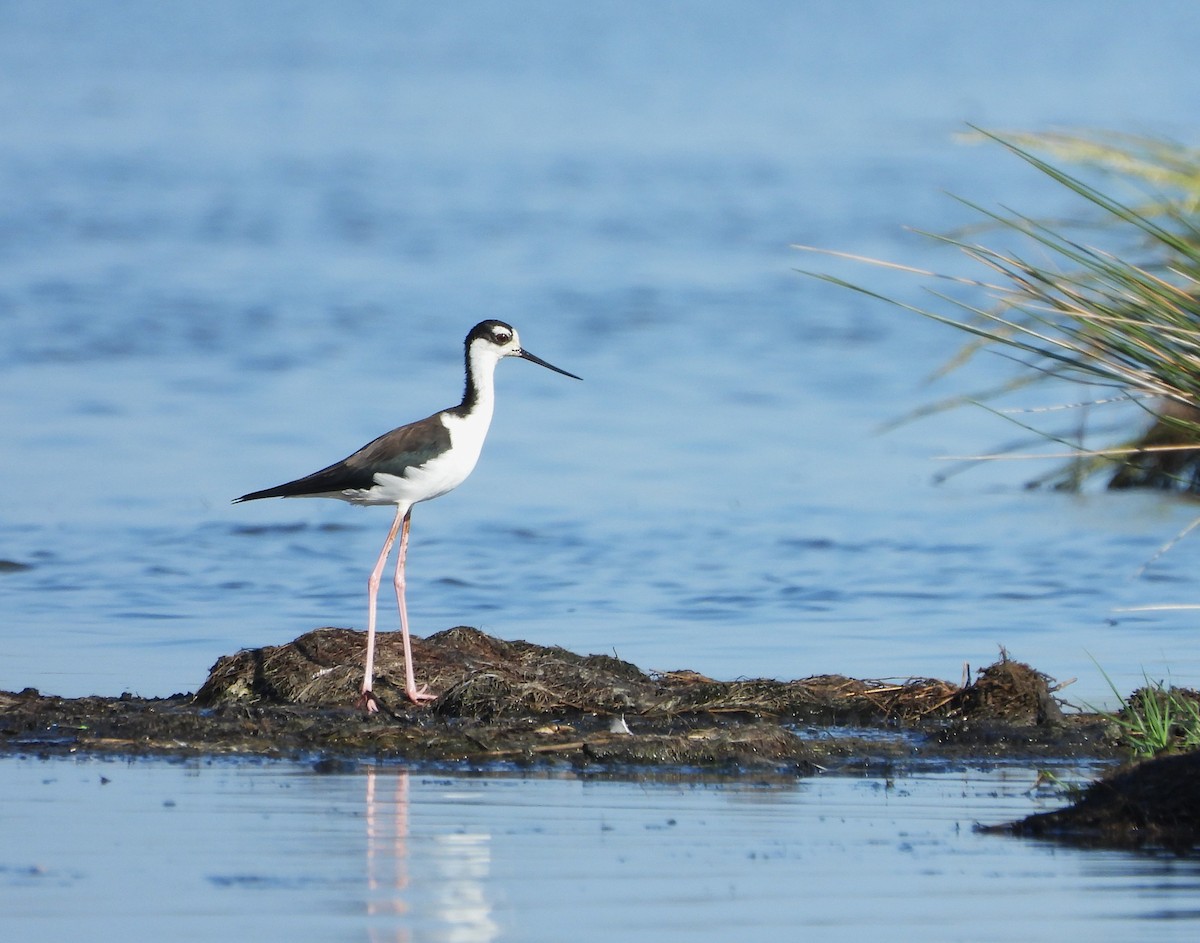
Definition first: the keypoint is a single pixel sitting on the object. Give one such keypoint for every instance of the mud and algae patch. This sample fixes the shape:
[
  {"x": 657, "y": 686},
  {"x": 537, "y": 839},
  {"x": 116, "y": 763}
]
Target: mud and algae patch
[
  {"x": 506, "y": 704},
  {"x": 1154, "y": 804},
  {"x": 513, "y": 702}
]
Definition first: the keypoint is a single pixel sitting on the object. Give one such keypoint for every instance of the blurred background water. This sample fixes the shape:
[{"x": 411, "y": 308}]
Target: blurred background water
[{"x": 238, "y": 241}]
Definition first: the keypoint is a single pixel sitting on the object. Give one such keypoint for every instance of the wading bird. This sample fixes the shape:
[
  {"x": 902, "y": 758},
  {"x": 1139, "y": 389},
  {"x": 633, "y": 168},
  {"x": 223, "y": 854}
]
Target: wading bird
[{"x": 415, "y": 463}]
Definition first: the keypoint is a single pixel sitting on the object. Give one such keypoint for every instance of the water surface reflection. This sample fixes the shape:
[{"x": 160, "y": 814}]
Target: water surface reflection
[
  {"x": 458, "y": 863},
  {"x": 278, "y": 852}
]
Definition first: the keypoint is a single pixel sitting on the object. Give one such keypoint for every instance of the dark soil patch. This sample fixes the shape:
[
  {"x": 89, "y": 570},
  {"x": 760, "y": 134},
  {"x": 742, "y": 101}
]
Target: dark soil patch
[
  {"x": 1155, "y": 804},
  {"x": 518, "y": 703}
]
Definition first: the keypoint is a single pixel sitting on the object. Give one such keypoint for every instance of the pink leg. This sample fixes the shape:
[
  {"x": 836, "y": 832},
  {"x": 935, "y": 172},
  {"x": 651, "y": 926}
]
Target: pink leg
[
  {"x": 366, "y": 700},
  {"x": 410, "y": 682}
]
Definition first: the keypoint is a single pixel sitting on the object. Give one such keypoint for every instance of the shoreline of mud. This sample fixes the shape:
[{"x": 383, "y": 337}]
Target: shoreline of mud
[
  {"x": 531, "y": 705},
  {"x": 512, "y": 705},
  {"x": 34, "y": 724}
]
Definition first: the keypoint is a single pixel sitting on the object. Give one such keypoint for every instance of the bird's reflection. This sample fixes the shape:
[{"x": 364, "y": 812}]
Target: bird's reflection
[
  {"x": 387, "y": 852},
  {"x": 449, "y": 897}
]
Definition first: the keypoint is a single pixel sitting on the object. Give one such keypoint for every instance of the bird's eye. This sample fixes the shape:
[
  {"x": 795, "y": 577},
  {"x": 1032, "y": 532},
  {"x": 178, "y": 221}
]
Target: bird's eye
[{"x": 502, "y": 337}]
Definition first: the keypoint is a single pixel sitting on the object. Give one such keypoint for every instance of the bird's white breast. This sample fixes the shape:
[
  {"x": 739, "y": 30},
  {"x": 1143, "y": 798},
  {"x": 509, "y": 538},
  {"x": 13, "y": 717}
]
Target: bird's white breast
[{"x": 443, "y": 472}]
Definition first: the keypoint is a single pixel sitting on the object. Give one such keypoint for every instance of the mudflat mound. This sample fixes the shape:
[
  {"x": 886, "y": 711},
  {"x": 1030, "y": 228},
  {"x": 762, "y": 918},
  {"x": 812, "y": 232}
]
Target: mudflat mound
[{"x": 517, "y": 702}]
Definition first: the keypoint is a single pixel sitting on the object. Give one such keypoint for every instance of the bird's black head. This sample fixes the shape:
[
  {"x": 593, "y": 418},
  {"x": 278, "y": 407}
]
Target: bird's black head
[
  {"x": 494, "y": 332},
  {"x": 499, "y": 340}
]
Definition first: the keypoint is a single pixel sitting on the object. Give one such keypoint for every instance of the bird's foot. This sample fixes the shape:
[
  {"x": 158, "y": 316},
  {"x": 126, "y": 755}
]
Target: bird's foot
[
  {"x": 419, "y": 695},
  {"x": 366, "y": 702}
]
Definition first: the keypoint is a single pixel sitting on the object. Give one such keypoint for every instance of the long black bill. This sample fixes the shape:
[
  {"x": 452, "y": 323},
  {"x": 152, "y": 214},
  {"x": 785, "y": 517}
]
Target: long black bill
[{"x": 526, "y": 355}]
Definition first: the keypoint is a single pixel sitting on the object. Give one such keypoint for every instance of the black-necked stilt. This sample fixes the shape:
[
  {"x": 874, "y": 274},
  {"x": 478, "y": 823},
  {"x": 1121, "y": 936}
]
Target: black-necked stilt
[{"x": 411, "y": 464}]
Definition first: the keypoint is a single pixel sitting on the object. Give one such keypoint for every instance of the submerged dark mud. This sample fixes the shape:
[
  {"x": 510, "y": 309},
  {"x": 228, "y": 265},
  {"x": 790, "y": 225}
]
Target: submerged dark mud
[
  {"x": 1155, "y": 804},
  {"x": 515, "y": 702}
]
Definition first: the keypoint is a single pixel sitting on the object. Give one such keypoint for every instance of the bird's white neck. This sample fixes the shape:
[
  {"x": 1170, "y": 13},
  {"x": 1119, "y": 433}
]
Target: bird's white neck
[{"x": 479, "y": 397}]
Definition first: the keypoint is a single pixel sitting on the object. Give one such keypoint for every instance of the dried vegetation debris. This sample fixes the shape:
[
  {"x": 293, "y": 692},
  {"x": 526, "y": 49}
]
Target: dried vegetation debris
[
  {"x": 515, "y": 701},
  {"x": 1012, "y": 692},
  {"x": 485, "y": 678}
]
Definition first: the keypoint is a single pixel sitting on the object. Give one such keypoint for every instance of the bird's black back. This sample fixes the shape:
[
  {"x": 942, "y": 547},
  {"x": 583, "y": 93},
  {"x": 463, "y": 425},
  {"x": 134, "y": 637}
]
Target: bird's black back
[{"x": 393, "y": 453}]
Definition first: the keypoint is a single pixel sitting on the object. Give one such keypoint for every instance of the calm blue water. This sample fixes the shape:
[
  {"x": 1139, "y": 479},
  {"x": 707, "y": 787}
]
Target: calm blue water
[
  {"x": 244, "y": 852},
  {"x": 238, "y": 241}
]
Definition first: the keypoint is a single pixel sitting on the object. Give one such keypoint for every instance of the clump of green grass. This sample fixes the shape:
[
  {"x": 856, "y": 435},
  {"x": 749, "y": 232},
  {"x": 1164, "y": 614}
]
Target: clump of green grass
[
  {"x": 1127, "y": 322},
  {"x": 1157, "y": 718}
]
